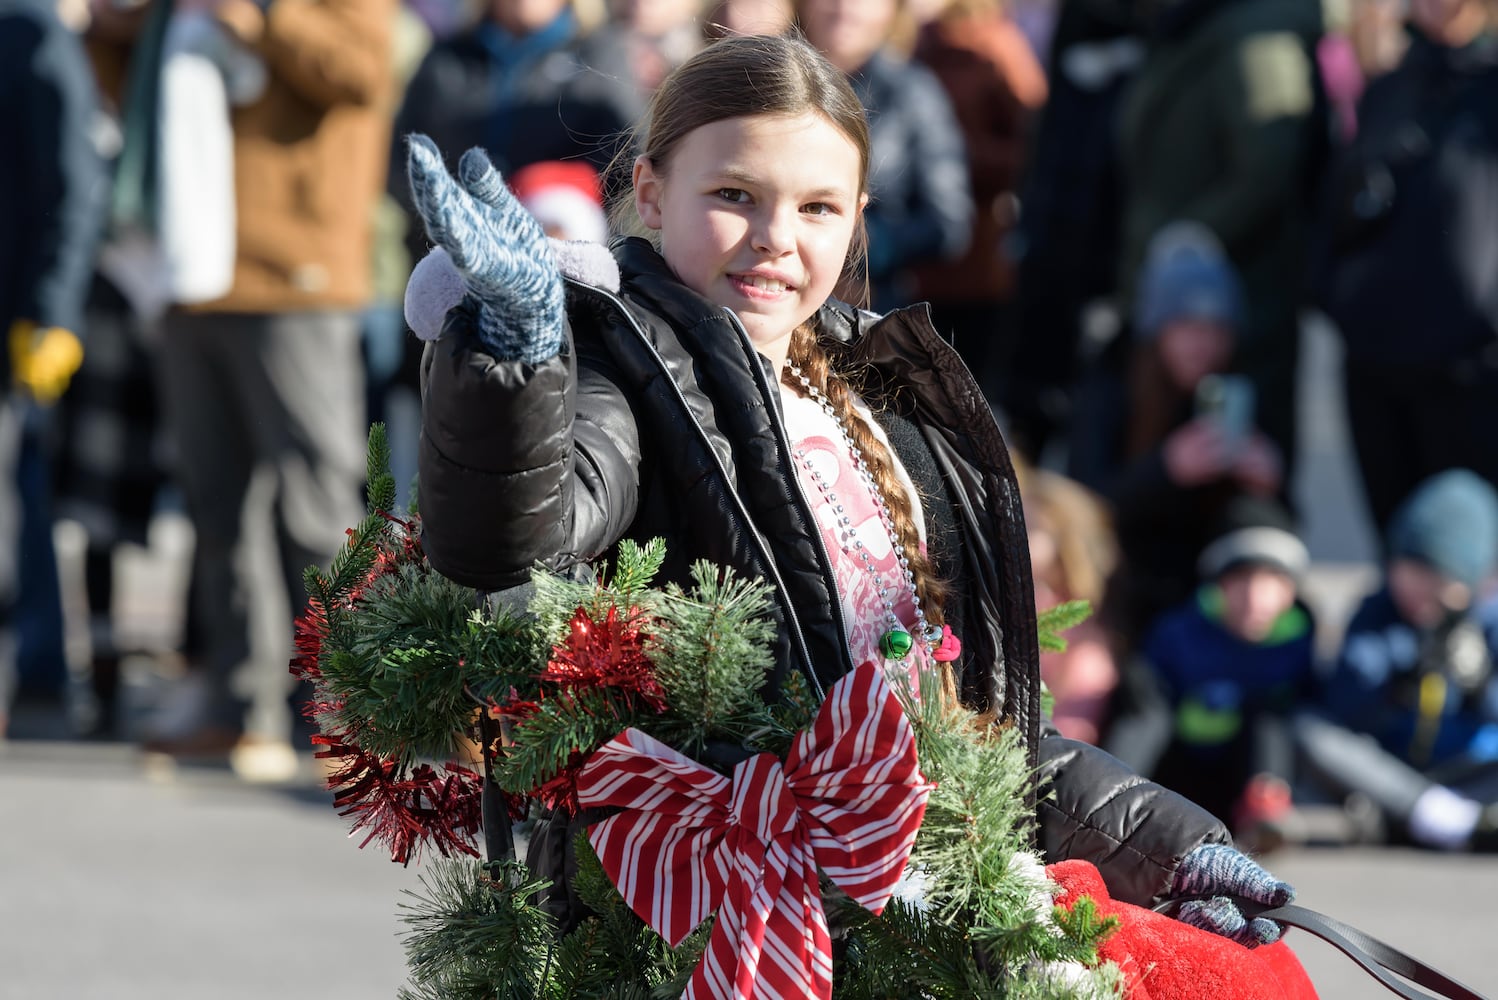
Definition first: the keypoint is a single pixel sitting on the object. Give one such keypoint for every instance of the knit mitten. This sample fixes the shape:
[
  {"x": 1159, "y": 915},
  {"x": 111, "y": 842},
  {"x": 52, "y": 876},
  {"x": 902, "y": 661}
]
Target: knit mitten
[
  {"x": 1216, "y": 873},
  {"x": 499, "y": 248}
]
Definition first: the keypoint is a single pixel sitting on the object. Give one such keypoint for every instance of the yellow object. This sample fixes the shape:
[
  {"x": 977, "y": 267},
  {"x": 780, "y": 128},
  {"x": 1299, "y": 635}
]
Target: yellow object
[{"x": 42, "y": 361}]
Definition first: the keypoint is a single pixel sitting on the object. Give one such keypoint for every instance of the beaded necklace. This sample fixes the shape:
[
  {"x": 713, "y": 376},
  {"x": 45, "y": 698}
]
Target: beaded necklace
[{"x": 896, "y": 643}]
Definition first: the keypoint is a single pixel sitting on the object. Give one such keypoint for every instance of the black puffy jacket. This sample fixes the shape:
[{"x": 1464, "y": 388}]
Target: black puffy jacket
[{"x": 660, "y": 419}]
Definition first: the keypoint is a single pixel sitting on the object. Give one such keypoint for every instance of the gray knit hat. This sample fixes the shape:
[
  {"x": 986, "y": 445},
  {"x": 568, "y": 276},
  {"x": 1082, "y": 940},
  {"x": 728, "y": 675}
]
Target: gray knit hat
[{"x": 1254, "y": 531}]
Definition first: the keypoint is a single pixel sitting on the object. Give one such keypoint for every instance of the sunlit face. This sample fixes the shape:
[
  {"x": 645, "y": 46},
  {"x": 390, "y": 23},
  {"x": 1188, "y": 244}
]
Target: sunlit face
[
  {"x": 848, "y": 31},
  {"x": 757, "y": 214},
  {"x": 1450, "y": 22},
  {"x": 1253, "y": 599},
  {"x": 1423, "y": 594}
]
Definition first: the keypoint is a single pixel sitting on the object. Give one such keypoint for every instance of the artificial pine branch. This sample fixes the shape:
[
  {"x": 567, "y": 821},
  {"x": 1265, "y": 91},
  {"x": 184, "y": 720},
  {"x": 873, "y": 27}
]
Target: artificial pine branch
[
  {"x": 1054, "y": 621},
  {"x": 380, "y": 484},
  {"x": 551, "y": 739},
  {"x": 713, "y": 649},
  {"x": 401, "y": 681},
  {"x": 904, "y": 953},
  {"x": 476, "y": 934}
]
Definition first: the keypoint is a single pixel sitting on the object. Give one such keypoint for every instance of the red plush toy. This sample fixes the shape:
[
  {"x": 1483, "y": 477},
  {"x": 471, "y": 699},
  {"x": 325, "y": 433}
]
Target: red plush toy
[{"x": 1164, "y": 959}]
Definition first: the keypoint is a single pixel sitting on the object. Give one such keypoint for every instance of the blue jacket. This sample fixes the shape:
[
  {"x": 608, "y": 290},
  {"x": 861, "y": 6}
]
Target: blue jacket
[
  {"x": 51, "y": 179},
  {"x": 1426, "y": 697},
  {"x": 1216, "y": 681}
]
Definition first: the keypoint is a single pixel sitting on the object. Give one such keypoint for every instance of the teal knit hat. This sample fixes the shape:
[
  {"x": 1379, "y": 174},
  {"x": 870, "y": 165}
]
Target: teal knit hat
[{"x": 1449, "y": 523}]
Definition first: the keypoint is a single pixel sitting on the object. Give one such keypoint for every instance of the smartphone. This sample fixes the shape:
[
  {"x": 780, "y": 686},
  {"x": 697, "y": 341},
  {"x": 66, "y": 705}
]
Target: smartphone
[{"x": 1229, "y": 401}]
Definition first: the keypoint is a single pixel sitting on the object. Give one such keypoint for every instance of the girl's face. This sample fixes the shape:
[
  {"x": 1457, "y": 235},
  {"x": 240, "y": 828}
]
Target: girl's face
[{"x": 757, "y": 214}]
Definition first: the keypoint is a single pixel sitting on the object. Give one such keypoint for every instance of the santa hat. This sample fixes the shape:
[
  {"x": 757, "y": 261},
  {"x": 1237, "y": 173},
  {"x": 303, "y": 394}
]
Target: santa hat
[{"x": 565, "y": 196}]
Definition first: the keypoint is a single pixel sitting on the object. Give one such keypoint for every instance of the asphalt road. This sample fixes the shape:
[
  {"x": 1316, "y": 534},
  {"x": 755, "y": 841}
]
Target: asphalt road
[{"x": 124, "y": 878}]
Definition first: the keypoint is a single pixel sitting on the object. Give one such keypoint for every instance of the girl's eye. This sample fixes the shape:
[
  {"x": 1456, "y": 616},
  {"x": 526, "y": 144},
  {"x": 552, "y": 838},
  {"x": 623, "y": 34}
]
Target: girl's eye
[
  {"x": 734, "y": 195},
  {"x": 820, "y": 208}
]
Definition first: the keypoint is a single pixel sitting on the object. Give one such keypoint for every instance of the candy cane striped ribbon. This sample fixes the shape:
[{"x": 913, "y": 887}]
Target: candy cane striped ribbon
[{"x": 849, "y": 798}]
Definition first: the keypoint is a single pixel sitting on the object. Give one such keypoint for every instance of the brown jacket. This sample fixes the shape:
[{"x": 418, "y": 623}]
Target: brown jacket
[
  {"x": 995, "y": 84},
  {"x": 310, "y": 155}
]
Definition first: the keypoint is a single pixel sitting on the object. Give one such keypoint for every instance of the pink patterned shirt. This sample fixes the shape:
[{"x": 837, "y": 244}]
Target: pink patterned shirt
[{"x": 817, "y": 439}]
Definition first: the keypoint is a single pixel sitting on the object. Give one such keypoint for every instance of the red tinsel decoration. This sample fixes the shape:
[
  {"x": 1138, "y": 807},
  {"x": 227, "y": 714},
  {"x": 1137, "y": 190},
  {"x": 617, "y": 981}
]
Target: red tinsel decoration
[
  {"x": 404, "y": 810},
  {"x": 605, "y": 654},
  {"x": 311, "y": 628}
]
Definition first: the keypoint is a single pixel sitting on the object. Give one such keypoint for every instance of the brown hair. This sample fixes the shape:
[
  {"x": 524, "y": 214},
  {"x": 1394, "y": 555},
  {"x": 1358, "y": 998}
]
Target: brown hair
[
  {"x": 740, "y": 76},
  {"x": 736, "y": 77},
  {"x": 1078, "y": 521},
  {"x": 808, "y": 354}
]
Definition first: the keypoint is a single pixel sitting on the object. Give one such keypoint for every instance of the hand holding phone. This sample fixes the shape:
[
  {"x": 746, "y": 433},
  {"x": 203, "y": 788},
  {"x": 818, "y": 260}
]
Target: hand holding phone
[{"x": 1228, "y": 401}]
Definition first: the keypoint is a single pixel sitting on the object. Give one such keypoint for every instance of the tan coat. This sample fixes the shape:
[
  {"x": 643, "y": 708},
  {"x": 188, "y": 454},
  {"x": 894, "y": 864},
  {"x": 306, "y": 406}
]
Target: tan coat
[{"x": 310, "y": 154}]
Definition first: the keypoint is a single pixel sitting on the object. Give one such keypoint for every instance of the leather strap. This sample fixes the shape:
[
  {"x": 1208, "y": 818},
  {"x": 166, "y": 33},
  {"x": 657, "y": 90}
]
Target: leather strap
[{"x": 1377, "y": 958}]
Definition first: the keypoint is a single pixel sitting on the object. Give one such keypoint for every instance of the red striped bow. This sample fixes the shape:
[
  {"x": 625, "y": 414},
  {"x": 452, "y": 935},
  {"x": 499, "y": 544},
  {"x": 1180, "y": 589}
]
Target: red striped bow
[{"x": 849, "y": 798}]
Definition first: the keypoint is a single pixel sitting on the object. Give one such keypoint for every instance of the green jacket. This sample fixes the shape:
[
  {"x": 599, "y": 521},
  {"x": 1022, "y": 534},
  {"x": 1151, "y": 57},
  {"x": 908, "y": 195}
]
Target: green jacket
[{"x": 1223, "y": 125}]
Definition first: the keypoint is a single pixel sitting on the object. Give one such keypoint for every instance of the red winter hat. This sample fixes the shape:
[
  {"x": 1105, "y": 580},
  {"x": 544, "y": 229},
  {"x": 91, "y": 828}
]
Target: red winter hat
[{"x": 565, "y": 196}]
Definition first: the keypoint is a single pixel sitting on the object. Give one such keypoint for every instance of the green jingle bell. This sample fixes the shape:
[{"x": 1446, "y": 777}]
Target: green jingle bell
[{"x": 895, "y": 644}]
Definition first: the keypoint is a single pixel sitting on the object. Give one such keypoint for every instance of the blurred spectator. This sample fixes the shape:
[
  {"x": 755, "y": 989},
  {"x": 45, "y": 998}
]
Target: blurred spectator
[
  {"x": 920, "y": 199},
  {"x": 1205, "y": 708},
  {"x": 1376, "y": 30},
  {"x": 995, "y": 83},
  {"x": 267, "y": 379},
  {"x": 1226, "y": 124},
  {"x": 657, "y": 36},
  {"x": 565, "y": 197},
  {"x": 528, "y": 82},
  {"x": 390, "y": 360},
  {"x": 1409, "y": 717},
  {"x": 1186, "y": 440},
  {"x": 1410, "y": 276},
  {"x": 168, "y": 75},
  {"x": 747, "y": 17},
  {"x": 1066, "y": 242},
  {"x": 1072, "y": 554},
  {"x": 50, "y": 215}
]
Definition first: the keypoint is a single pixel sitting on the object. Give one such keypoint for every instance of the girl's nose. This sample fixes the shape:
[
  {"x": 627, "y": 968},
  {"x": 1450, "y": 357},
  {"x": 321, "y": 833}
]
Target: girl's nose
[{"x": 774, "y": 233}]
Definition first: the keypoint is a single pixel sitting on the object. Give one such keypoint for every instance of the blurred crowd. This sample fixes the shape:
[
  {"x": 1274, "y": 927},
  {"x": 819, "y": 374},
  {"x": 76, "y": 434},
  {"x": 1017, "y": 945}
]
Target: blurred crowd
[{"x": 1120, "y": 211}]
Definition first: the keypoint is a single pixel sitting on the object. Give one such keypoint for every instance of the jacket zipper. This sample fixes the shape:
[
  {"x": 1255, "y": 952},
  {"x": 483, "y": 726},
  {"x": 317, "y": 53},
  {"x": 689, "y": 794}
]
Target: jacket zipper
[
  {"x": 782, "y": 437},
  {"x": 792, "y": 621}
]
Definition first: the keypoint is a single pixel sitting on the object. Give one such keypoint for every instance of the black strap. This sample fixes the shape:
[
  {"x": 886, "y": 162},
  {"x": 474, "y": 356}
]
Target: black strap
[{"x": 1376, "y": 957}]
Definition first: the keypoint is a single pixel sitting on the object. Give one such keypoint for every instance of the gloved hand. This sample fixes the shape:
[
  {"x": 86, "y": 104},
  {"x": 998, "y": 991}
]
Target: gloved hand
[
  {"x": 497, "y": 246},
  {"x": 1220, "y": 872},
  {"x": 42, "y": 361}
]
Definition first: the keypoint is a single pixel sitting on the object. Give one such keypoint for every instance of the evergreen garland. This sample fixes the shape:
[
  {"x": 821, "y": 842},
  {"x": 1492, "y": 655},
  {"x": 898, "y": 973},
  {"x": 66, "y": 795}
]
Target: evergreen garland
[{"x": 404, "y": 662}]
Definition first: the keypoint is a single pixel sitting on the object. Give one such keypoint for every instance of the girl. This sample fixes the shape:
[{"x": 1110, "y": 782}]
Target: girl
[{"x": 716, "y": 397}]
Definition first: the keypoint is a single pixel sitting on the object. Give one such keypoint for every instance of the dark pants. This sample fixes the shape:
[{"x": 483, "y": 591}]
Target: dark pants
[
  {"x": 276, "y": 395},
  {"x": 1409, "y": 423},
  {"x": 1339, "y": 761}
]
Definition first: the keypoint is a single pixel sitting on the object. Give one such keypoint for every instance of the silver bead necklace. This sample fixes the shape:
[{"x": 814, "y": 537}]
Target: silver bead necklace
[{"x": 896, "y": 642}]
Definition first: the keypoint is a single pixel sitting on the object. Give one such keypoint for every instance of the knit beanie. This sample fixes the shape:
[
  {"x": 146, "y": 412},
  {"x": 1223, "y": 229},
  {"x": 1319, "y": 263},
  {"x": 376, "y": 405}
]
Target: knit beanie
[
  {"x": 1450, "y": 523},
  {"x": 1254, "y": 531},
  {"x": 1186, "y": 275}
]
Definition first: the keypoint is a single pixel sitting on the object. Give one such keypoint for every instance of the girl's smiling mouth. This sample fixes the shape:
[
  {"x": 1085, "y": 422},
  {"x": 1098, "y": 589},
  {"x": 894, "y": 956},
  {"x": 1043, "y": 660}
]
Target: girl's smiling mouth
[{"x": 760, "y": 285}]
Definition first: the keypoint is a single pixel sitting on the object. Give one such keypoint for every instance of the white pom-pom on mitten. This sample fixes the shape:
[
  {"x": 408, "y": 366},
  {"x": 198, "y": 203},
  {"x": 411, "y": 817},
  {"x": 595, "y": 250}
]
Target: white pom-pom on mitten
[{"x": 436, "y": 285}]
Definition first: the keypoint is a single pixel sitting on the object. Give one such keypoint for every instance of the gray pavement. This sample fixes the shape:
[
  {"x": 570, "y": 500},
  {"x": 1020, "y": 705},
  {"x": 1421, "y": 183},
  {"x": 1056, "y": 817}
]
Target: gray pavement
[{"x": 124, "y": 878}]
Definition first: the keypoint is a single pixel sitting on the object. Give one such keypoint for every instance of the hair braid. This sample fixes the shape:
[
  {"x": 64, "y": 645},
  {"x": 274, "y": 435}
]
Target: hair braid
[{"x": 815, "y": 363}]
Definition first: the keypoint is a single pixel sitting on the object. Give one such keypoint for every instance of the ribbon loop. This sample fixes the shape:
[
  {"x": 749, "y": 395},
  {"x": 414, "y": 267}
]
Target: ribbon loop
[{"x": 849, "y": 798}]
